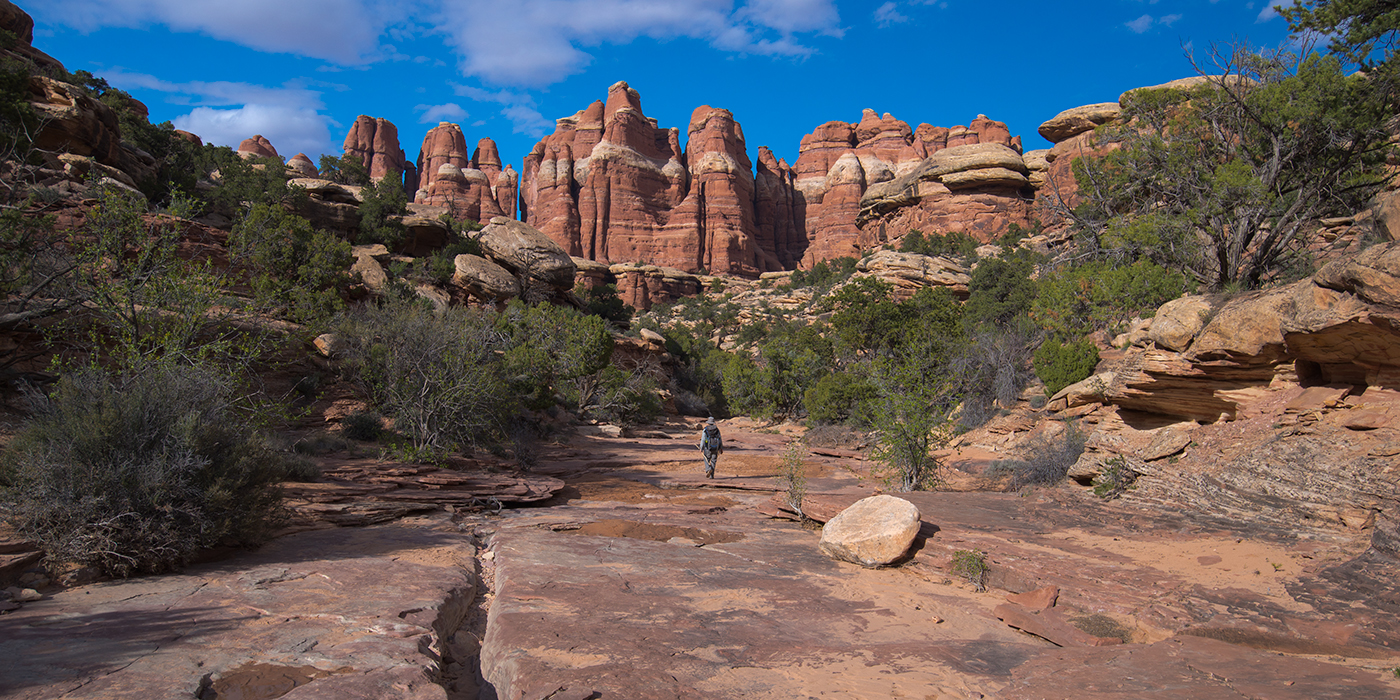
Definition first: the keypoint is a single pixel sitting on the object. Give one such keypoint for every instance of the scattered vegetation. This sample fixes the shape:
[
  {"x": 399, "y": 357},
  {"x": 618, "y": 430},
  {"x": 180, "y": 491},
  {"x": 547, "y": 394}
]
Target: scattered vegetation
[
  {"x": 135, "y": 471},
  {"x": 970, "y": 565},
  {"x": 793, "y": 477},
  {"x": 1115, "y": 479},
  {"x": 1046, "y": 459}
]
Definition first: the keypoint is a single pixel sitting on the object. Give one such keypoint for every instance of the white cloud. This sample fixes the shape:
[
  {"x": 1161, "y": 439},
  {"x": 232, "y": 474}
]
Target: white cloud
[
  {"x": 290, "y": 129},
  {"x": 888, "y": 14},
  {"x": 528, "y": 121},
  {"x": 450, "y": 112},
  {"x": 1140, "y": 24},
  {"x": 1168, "y": 20},
  {"x": 1269, "y": 12},
  {"x": 343, "y": 31},
  {"x": 226, "y": 112},
  {"x": 523, "y": 43},
  {"x": 539, "y": 42},
  {"x": 520, "y": 108}
]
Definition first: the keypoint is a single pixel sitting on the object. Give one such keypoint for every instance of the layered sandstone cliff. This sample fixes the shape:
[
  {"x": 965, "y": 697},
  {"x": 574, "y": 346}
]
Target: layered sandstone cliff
[
  {"x": 374, "y": 142},
  {"x": 610, "y": 185},
  {"x": 870, "y": 182},
  {"x": 472, "y": 187}
]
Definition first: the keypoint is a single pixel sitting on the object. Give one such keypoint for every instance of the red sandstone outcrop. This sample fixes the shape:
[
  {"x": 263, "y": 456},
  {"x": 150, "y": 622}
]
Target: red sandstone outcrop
[
  {"x": 475, "y": 187},
  {"x": 870, "y": 182},
  {"x": 257, "y": 147},
  {"x": 73, "y": 123},
  {"x": 300, "y": 165},
  {"x": 16, "y": 21},
  {"x": 374, "y": 142},
  {"x": 610, "y": 185}
]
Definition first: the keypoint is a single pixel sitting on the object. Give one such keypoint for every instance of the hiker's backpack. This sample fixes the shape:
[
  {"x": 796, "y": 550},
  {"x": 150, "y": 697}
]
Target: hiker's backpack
[{"x": 712, "y": 442}]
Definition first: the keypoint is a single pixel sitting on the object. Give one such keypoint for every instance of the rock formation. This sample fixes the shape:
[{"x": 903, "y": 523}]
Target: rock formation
[
  {"x": 72, "y": 123},
  {"x": 16, "y": 21},
  {"x": 870, "y": 182},
  {"x": 375, "y": 144},
  {"x": 257, "y": 147},
  {"x": 609, "y": 185},
  {"x": 873, "y": 531},
  {"x": 475, "y": 187},
  {"x": 300, "y": 165}
]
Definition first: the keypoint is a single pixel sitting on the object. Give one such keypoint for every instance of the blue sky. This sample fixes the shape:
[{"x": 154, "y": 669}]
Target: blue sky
[{"x": 299, "y": 71}]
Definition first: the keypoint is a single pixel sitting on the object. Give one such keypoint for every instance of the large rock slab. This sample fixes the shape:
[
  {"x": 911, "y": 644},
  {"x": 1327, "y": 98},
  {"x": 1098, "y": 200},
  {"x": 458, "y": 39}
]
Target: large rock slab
[
  {"x": 484, "y": 279},
  {"x": 368, "y": 608},
  {"x": 522, "y": 249},
  {"x": 910, "y": 272},
  {"x": 874, "y": 531},
  {"x": 1077, "y": 120},
  {"x": 1178, "y": 321}
]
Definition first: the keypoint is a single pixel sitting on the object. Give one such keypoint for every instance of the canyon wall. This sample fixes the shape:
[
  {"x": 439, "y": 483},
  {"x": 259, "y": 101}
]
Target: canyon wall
[{"x": 612, "y": 186}]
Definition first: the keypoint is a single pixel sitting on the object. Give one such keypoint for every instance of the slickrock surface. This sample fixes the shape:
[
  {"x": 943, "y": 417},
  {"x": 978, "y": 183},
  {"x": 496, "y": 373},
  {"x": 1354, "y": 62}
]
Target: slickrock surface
[
  {"x": 642, "y": 579},
  {"x": 365, "y": 607}
]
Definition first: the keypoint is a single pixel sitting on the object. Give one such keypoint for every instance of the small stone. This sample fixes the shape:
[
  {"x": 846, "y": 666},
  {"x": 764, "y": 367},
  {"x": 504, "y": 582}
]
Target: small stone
[{"x": 29, "y": 595}]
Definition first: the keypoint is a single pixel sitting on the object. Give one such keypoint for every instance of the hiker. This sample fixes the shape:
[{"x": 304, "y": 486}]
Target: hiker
[{"x": 712, "y": 446}]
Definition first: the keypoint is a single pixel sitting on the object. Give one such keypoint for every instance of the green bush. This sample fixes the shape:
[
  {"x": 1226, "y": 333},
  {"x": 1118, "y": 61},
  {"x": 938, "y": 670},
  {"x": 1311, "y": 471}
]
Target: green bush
[
  {"x": 136, "y": 472},
  {"x": 604, "y": 303},
  {"x": 954, "y": 244},
  {"x": 1059, "y": 365},
  {"x": 837, "y": 397},
  {"x": 438, "y": 375},
  {"x": 291, "y": 266},
  {"x": 1075, "y": 301},
  {"x": 970, "y": 565},
  {"x": 382, "y": 201},
  {"x": 364, "y": 426}
]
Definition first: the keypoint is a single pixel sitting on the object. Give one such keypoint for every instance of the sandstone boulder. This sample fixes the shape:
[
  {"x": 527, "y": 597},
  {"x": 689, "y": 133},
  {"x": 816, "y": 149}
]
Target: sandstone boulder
[
  {"x": 71, "y": 122},
  {"x": 371, "y": 273},
  {"x": 525, "y": 251},
  {"x": 1373, "y": 274},
  {"x": 257, "y": 146},
  {"x": 484, "y": 279},
  {"x": 301, "y": 164},
  {"x": 1178, "y": 321},
  {"x": 1078, "y": 120},
  {"x": 1083, "y": 393},
  {"x": 910, "y": 272},
  {"x": 874, "y": 531}
]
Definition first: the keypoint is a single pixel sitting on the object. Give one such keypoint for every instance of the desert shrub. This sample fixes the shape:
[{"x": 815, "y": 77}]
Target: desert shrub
[
  {"x": 824, "y": 274},
  {"x": 1074, "y": 301},
  {"x": 1001, "y": 291},
  {"x": 605, "y": 303},
  {"x": 438, "y": 375},
  {"x": 346, "y": 170},
  {"x": 954, "y": 244},
  {"x": 972, "y": 566},
  {"x": 291, "y": 266},
  {"x": 135, "y": 472},
  {"x": 1047, "y": 459},
  {"x": 382, "y": 201},
  {"x": 793, "y": 477},
  {"x": 789, "y": 362},
  {"x": 992, "y": 367},
  {"x": 837, "y": 397},
  {"x": 1004, "y": 467},
  {"x": 548, "y": 346},
  {"x": 617, "y": 396},
  {"x": 1115, "y": 478},
  {"x": 1062, "y": 364},
  {"x": 364, "y": 426}
]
